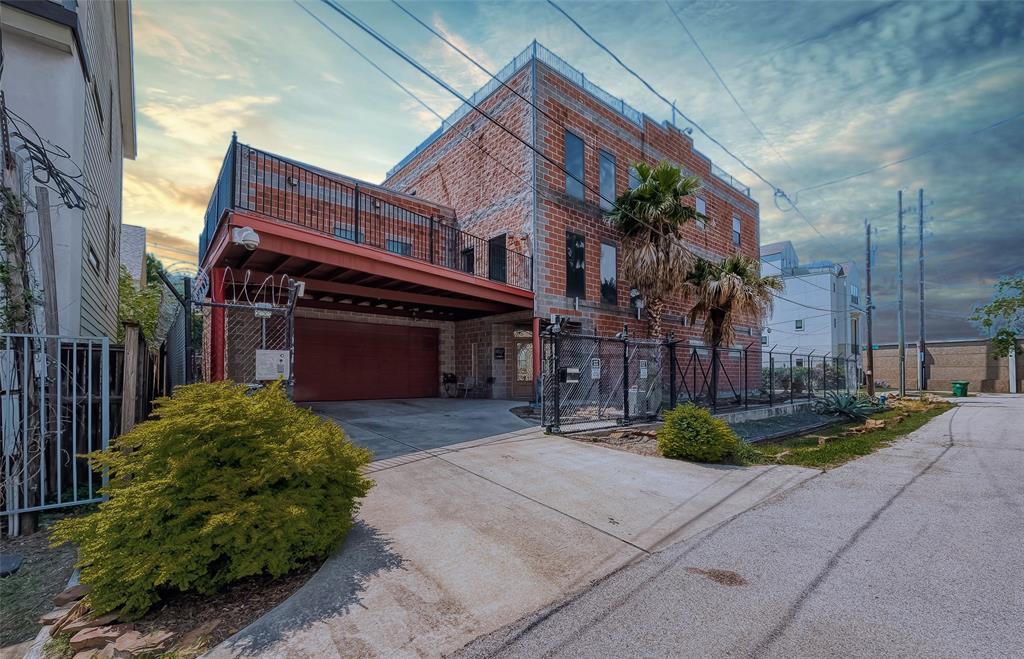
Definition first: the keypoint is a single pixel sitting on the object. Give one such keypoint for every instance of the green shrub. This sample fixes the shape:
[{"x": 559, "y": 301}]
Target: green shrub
[
  {"x": 218, "y": 485},
  {"x": 692, "y": 433}
]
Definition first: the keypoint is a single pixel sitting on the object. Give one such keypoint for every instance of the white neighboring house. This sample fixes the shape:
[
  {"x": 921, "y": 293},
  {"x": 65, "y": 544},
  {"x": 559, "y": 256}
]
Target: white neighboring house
[
  {"x": 823, "y": 311},
  {"x": 67, "y": 70},
  {"x": 133, "y": 252}
]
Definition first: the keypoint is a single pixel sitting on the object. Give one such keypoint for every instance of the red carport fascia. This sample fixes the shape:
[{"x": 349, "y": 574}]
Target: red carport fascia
[{"x": 299, "y": 242}]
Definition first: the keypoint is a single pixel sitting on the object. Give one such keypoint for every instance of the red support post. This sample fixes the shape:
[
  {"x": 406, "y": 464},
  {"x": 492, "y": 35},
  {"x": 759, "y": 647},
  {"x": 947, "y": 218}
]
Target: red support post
[{"x": 217, "y": 325}]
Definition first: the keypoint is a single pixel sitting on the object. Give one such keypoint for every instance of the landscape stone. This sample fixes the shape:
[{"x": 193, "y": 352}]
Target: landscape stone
[
  {"x": 97, "y": 637},
  {"x": 87, "y": 621},
  {"x": 135, "y": 642},
  {"x": 76, "y": 592},
  {"x": 53, "y": 616}
]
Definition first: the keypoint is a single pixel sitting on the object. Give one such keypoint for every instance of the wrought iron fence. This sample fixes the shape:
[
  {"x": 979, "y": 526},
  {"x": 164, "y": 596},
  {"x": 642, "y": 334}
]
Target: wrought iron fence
[
  {"x": 56, "y": 396},
  {"x": 592, "y": 381},
  {"x": 317, "y": 200}
]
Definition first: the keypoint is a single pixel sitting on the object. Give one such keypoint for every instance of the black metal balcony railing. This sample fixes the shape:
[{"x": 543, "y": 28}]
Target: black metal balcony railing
[{"x": 260, "y": 182}]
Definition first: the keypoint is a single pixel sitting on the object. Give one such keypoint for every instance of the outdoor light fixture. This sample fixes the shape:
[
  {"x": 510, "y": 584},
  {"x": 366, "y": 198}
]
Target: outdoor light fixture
[
  {"x": 636, "y": 300},
  {"x": 292, "y": 181},
  {"x": 246, "y": 237}
]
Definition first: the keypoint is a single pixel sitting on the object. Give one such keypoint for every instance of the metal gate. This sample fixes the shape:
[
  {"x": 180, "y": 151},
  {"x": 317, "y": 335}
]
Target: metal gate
[
  {"x": 55, "y": 395},
  {"x": 592, "y": 381}
]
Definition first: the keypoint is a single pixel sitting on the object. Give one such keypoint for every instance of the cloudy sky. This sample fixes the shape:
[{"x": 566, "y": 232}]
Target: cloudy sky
[{"x": 837, "y": 88}]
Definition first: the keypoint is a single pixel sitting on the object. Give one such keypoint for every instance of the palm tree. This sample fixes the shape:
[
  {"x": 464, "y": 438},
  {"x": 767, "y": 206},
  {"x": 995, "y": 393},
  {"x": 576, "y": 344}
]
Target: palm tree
[
  {"x": 655, "y": 260},
  {"x": 723, "y": 292}
]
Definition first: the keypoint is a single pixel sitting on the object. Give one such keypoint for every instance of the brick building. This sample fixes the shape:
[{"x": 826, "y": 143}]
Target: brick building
[{"x": 506, "y": 241}]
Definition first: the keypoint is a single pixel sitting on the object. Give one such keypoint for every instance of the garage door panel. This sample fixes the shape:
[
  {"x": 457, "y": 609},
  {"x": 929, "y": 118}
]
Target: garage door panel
[{"x": 343, "y": 360}]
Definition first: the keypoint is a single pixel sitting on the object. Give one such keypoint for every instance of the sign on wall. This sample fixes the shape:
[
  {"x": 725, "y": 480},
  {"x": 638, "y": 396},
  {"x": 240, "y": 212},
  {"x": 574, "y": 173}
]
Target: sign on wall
[
  {"x": 499, "y": 353},
  {"x": 595, "y": 369},
  {"x": 272, "y": 364}
]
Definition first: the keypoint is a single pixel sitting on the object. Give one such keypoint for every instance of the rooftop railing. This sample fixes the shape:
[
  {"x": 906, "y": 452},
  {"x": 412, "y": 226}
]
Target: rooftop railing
[
  {"x": 570, "y": 73},
  {"x": 288, "y": 191}
]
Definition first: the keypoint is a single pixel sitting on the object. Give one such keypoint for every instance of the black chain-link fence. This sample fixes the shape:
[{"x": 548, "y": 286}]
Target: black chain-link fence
[{"x": 593, "y": 382}]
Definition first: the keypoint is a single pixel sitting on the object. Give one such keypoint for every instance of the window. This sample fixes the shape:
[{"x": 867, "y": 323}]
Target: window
[
  {"x": 110, "y": 133},
  {"x": 799, "y": 325},
  {"x": 609, "y": 274},
  {"x": 764, "y": 339},
  {"x": 702, "y": 208},
  {"x": 575, "y": 265},
  {"x": 634, "y": 179},
  {"x": 99, "y": 106},
  {"x": 736, "y": 225},
  {"x": 111, "y": 242},
  {"x": 348, "y": 232},
  {"x": 799, "y": 363},
  {"x": 468, "y": 260},
  {"x": 94, "y": 260},
  {"x": 607, "y": 181},
  {"x": 855, "y": 294},
  {"x": 396, "y": 246},
  {"x": 496, "y": 258},
  {"x": 573, "y": 165},
  {"x": 833, "y": 286},
  {"x": 834, "y": 322}
]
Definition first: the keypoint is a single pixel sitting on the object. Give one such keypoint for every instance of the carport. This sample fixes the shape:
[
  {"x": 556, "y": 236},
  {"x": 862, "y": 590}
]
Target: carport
[{"x": 394, "y": 293}]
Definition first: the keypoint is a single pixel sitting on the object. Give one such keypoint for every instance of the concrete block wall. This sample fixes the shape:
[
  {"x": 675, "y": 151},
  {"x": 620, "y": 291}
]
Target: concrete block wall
[{"x": 971, "y": 360}]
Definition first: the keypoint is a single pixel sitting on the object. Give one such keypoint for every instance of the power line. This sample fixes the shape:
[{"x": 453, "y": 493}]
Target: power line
[
  {"x": 735, "y": 100},
  {"x": 778, "y": 192},
  {"x": 910, "y": 157},
  {"x": 481, "y": 67},
  {"x": 411, "y": 61}
]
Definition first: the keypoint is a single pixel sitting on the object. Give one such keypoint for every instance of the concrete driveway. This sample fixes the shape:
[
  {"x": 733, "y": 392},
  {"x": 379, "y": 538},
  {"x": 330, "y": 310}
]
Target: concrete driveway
[
  {"x": 460, "y": 541},
  {"x": 914, "y": 551},
  {"x": 391, "y": 428}
]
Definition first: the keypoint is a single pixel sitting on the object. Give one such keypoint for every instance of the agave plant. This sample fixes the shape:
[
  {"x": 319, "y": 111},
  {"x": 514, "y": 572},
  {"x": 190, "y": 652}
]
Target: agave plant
[{"x": 846, "y": 404}]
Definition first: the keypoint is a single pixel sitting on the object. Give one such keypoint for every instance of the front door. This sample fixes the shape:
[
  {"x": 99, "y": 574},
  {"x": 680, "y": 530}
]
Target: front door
[{"x": 522, "y": 387}]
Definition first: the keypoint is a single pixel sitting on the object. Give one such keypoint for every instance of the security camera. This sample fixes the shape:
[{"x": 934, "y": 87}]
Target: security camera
[{"x": 246, "y": 237}]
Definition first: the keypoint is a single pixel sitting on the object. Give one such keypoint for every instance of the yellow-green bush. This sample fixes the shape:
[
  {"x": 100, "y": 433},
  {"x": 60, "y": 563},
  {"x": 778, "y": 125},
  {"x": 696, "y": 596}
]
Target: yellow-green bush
[
  {"x": 692, "y": 433},
  {"x": 218, "y": 485}
]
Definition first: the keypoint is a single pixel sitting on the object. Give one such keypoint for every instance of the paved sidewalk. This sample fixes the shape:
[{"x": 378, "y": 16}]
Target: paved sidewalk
[
  {"x": 459, "y": 541},
  {"x": 916, "y": 550}
]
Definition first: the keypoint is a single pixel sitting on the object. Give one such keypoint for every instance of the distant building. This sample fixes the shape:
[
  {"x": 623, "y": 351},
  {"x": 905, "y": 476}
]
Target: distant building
[
  {"x": 133, "y": 252},
  {"x": 68, "y": 73},
  {"x": 821, "y": 308}
]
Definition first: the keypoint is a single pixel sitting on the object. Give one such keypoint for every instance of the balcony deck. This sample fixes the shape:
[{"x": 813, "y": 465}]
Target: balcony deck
[{"x": 357, "y": 244}]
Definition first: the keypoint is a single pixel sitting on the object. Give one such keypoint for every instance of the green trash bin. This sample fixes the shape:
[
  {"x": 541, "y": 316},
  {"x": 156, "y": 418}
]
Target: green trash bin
[{"x": 959, "y": 388}]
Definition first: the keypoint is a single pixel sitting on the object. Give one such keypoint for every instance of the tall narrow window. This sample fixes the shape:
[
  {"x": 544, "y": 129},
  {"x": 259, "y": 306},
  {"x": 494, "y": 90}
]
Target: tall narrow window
[
  {"x": 110, "y": 242},
  {"x": 609, "y": 274},
  {"x": 798, "y": 325},
  {"x": 607, "y": 162},
  {"x": 468, "y": 260},
  {"x": 575, "y": 265},
  {"x": 634, "y": 179},
  {"x": 736, "y": 225},
  {"x": 573, "y": 165},
  {"x": 702, "y": 208},
  {"x": 496, "y": 258}
]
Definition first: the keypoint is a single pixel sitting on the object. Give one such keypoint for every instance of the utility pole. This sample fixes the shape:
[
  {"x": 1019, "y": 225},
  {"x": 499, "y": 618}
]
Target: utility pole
[
  {"x": 869, "y": 362},
  {"x": 922, "y": 375},
  {"x": 902, "y": 339}
]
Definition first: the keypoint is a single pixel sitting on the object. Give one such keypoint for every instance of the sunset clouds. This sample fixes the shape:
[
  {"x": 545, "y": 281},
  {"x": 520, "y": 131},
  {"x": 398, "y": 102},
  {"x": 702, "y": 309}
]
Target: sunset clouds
[{"x": 837, "y": 88}]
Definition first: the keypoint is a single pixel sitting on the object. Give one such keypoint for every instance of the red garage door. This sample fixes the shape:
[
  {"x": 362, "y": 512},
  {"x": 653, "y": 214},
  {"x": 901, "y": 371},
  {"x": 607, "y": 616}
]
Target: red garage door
[{"x": 340, "y": 360}]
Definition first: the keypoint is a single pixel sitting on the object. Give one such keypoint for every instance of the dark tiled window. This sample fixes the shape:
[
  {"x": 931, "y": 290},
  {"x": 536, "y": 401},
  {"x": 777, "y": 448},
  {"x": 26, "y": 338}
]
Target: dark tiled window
[
  {"x": 573, "y": 165},
  {"x": 575, "y": 265},
  {"x": 496, "y": 258},
  {"x": 634, "y": 179},
  {"x": 468, "y": 260},
  {"x": 609, "y": 274},
  {"x": 395, "y": 246},
  {"x": 736, "y": 231},
  {"x": 607, "y": 162}
]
